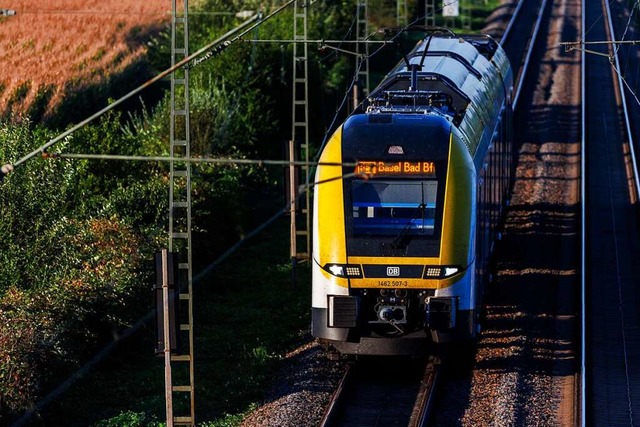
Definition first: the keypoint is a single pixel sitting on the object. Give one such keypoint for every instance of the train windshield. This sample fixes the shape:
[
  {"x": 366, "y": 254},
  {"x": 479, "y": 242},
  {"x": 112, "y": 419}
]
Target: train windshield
[{"x": 392, "y": 208}]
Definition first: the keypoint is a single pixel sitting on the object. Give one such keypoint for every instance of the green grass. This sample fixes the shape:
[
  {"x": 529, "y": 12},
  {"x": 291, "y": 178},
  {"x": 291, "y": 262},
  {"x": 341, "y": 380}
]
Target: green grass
[{"x": 247, "y": 315}]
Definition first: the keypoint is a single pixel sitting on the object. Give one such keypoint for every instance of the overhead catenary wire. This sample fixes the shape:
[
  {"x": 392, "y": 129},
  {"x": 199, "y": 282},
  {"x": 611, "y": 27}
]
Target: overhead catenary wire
[
  {"x": 593, "y": 24},
  {"x": 316, "y": 41},
  {"x": 214, "y": 49},
  {"x": 222, "y": 129},
  {"x": 570, "y": 46},
  {"x": 622, "y": 74},
  {"x": 217, "y": 160},
  {"x": 624, "y": 33},
  {"x": 355, "y": 79}
]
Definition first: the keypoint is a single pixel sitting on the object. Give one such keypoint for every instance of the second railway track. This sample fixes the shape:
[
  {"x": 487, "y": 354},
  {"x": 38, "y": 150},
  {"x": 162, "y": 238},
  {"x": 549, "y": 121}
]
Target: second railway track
[{"x": 612, "y": 238}]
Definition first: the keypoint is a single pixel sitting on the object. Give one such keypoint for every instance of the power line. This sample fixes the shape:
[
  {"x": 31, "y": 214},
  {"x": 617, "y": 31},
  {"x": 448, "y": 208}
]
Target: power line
[
  {"x": 355, "y": 79},
  {"x": 218, "y": 160},
  {"x": 215, "y": 49},
  {"x": 624, "y": 80},
  {"x": 90, "y": 12},
  {"x": 624, "y": 34},
  {"x": 585, "y": 33},
  {"x": 571, "y": 46},
  {"x": 317, "y": 41}
]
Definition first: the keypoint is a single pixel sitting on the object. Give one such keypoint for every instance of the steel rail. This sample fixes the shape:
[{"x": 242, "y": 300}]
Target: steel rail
[
  {"x": 421, "y": 412},
  {"x": 583, "y": 227},
  {"x": 507, "y": 31},
  {"x": 616, "y": 65},
  {"x": 525, "y": 66},
  {"x": 625, "y": 109},
  {"x": 427, "y": 394},
  {"x": 329, "y": 412}
]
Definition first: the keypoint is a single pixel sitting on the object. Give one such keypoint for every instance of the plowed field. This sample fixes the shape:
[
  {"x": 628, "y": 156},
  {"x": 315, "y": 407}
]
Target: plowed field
[{"x": 50, "y": 48}]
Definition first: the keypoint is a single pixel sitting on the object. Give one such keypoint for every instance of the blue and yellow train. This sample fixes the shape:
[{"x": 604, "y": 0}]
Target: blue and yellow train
[{"x": 402, "y": 240}]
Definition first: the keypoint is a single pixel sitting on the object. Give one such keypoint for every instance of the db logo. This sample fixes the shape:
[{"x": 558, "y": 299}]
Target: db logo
[{"x": 393, "y": 271}]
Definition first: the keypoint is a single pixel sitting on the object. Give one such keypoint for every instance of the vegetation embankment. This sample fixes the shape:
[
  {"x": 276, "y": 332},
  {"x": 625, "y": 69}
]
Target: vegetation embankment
[{"x": 77, "y": 237}]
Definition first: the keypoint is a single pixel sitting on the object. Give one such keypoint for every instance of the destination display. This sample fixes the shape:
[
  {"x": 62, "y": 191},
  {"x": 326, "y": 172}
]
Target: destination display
[{"x": 374, "y": 168}]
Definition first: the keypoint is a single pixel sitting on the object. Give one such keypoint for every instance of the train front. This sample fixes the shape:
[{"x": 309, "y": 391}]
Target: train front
[{"x": 393, "y": 236}]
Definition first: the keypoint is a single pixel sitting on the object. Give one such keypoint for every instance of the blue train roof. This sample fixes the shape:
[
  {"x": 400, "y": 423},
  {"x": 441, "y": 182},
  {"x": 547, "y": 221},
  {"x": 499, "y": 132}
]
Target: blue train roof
[{"x": 465, "y": 79}]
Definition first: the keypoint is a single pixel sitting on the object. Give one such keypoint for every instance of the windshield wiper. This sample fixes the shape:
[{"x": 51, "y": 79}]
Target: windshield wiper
[{"x": 402, "y": 240}]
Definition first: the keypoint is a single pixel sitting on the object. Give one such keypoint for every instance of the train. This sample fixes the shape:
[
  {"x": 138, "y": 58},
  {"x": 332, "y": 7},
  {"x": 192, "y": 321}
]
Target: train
[{"x": 411, "y": 191}]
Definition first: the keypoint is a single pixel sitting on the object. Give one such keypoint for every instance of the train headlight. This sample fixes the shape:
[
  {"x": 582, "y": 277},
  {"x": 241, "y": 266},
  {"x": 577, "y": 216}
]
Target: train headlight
[
  {"x": 438, "y": 272},
  {"x": 450, "y": 271},
  {"x": 336, "y": 270},
  {"x": 344, "y": 270}
]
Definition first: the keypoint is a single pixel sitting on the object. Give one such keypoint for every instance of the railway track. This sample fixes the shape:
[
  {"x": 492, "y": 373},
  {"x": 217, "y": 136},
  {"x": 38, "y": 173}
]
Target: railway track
[
  {"x": 381, "y": 395},
  {"x": 519, "y": 44},
  {"x": 611, "y": 341},
  {"x": 367, "y": 399},
  {"x": 384, "y": 392}
]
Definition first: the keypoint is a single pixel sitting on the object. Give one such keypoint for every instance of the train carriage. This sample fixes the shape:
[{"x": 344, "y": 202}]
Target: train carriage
[{"x": 402, "y": 240}]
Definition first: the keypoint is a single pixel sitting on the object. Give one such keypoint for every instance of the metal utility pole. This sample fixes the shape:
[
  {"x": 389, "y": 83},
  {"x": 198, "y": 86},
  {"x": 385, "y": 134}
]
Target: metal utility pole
[
  {"x": 166, "y": 333},
  {"x": 300, "y": 210},
  {"x": 465, "y": 14},
  {"x": 180, "y": 216},
  {"x": 362, "y": 51},
  {"x": 401, "y": 12},
  {"x": 430, "y": 13}
]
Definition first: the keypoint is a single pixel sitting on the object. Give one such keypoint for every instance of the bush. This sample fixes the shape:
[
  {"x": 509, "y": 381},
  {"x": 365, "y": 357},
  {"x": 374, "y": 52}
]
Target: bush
[
  {"x": 96, "y": 283},
  {"x": 24, "y": 349},
  {"x": 128, "y": 419},
  {"x": 75, "y": 270}
]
